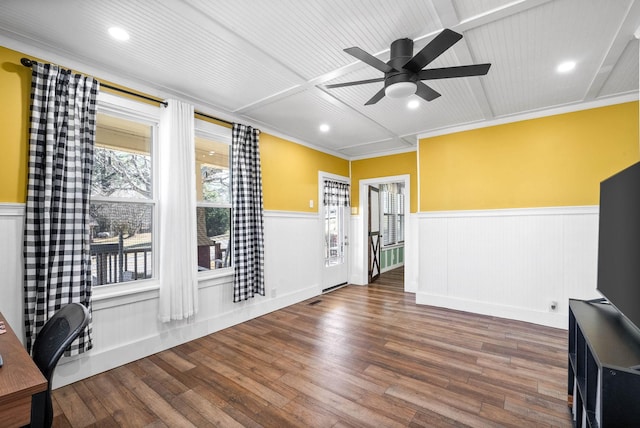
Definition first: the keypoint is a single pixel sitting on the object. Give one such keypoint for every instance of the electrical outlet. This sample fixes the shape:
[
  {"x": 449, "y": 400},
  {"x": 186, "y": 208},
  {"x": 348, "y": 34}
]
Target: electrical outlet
[
  {"x": 553, "y": 306},
  {"x": 274, "y": 292}
]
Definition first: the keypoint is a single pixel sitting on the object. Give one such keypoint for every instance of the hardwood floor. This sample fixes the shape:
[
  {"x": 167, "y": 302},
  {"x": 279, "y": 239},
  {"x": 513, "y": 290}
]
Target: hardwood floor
[{"x": 358, "y": 356}]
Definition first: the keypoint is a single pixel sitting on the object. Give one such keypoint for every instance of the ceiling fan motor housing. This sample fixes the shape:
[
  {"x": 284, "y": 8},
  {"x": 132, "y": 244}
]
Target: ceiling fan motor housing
[{"x": 401, "y": 53}]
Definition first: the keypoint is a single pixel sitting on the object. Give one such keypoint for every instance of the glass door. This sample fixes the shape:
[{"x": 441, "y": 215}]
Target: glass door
[{"x": 335, "y": 215}]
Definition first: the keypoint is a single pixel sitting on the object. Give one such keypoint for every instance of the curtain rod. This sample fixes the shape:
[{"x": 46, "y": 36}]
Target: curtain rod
[
  {"x": 214, "y": 118},
  {"x": 29, "y": 62}
]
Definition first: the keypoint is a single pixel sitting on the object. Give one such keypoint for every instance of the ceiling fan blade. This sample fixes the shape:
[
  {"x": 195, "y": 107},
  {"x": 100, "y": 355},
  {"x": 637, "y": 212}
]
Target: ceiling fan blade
[
  {"x": 359, "y": 82},
  {"x": 369, "y": 59},
  {"x": 425, "y": 92},
  {"x": 377, "y": 97},
  {"x": 433, "y": 50},
  {"x": 449, "y": 72}
]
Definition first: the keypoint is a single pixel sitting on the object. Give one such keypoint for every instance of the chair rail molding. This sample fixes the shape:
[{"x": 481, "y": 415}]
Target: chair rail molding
[{"x": 12, "y": 209}]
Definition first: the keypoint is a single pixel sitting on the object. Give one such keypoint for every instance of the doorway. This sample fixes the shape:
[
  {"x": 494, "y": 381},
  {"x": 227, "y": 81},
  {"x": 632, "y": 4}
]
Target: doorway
[{"x": 396, "y": 239}]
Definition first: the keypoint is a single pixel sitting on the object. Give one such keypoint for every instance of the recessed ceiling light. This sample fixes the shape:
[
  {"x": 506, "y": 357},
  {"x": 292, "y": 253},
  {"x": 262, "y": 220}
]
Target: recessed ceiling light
[
  {"x": 413, "y": 104},
  {"x": 324, "y": 128},
  {"x": 119, "y": 33},
  {"x": 565, "y": 67}
]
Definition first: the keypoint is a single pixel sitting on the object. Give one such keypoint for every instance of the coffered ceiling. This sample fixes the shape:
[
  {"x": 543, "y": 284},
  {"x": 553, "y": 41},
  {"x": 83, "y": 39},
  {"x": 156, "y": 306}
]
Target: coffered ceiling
[{"x": 266, "y": 63}]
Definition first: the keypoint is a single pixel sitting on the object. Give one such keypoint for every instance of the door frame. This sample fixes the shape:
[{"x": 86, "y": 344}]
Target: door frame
[
  {"x": 322, "y": 175},
  {"x": 374, "y": 246},
  {"x": 362, "y": 259}
]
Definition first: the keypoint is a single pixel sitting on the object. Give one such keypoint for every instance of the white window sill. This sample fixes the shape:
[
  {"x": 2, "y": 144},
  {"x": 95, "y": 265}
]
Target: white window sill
[
  {"x": 215, "y": 277},
  {"x": 109, "y": 296}
]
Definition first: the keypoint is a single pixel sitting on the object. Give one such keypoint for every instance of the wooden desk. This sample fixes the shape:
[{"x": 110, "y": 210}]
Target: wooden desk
[{"x": 20, "y": 378}]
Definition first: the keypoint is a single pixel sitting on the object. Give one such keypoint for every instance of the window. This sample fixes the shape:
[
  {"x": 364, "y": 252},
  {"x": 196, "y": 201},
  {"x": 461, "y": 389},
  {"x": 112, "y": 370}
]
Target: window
[
  {"x": 122, "y": 200},
  {"x": 335, "y": 199},
  {"x": 213, "y": 195},
  {"x": 392, "y": 204},
  {"x": 334, "y": 232}
]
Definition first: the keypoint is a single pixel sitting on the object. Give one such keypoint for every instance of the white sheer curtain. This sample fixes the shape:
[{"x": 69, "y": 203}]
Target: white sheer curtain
[{"x": 178, "y": 249}]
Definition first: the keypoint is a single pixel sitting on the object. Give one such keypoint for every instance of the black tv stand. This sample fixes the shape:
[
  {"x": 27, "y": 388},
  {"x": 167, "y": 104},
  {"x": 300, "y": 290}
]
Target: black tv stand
[{"x": 604, "y": 354}]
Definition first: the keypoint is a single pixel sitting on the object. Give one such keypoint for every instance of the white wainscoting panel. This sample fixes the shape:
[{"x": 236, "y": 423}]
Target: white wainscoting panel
[
  {"x": 357, "y": 251},
  {"x": 126, "y": 326},
  {"x": 11, "y": 290},
  {"x": 411, "y": 254},
  {"x": 581, "y": 257},
  {"x": 509, "y": 263},
  {"x": 293, "y": 255}
]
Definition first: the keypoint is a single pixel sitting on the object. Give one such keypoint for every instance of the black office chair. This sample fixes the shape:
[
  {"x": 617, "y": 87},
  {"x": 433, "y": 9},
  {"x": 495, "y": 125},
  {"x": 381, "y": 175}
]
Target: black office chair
[{"x": 53, "y": 339}]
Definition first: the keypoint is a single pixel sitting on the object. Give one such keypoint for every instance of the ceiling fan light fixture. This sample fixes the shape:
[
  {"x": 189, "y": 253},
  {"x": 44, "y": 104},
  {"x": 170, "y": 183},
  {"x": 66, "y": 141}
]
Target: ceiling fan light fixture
[{"x": 400, "y": 89}]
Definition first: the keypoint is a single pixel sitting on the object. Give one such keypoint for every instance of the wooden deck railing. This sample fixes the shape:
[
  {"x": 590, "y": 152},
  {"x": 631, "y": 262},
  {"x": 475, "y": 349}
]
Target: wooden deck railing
[{"x": 113, "y": 263}]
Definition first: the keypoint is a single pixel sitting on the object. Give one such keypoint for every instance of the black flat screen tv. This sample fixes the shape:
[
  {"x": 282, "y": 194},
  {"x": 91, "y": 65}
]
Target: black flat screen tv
[{"x": 619, "y": 242}]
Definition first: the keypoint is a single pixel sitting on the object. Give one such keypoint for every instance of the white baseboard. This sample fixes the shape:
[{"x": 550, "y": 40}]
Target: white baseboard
[
  {"x": 94, "y": 362},
  {"x": 550, "y": 319}
]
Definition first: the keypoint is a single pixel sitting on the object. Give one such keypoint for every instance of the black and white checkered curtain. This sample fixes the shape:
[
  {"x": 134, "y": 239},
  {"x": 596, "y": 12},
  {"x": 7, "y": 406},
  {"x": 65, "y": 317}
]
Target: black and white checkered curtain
[
  {"x": 57, "y": 267},
  {"x": 335, "y": 193},
  {"x": 247, "y": 207}
]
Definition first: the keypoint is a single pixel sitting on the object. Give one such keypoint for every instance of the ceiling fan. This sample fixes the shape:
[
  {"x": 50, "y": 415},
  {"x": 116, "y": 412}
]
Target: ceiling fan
[{"x": 403, "y": 73}]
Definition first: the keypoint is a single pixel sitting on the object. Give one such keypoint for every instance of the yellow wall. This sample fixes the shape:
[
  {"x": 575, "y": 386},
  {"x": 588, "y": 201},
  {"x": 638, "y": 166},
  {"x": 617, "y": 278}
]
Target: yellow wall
[
  {"x": 385, "y": 166},
  {"x": 15, "y": 88},
  {"x": 551, "y": 161},
  {"x": 290, "y": 173}
]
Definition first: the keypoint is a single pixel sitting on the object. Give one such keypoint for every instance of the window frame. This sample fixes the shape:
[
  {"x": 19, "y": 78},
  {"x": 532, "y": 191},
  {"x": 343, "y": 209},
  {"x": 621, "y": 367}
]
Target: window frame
[
  {"x": 221, "y": 134},
  {"x": 148, "y": 114},
  {"x": 393, "y": 209}
]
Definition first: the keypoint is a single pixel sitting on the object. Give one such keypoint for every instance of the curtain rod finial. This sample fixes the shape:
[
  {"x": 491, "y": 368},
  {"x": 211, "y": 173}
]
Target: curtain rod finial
[{"x": 26, "y": 62}]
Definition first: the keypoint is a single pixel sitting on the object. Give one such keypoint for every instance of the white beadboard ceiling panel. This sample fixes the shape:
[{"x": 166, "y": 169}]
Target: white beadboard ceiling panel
[
  {"x": 178, "y": 51},
  {"x": 403, "y": 120},
  {"x": 467, "y": 9},
  {"x": 380, "y": 147},
  {"x": 308, "y": 36},
  {"x": 305, "y": 111},
  {"x": 267, "y": 62},
  {"x": 524, "y": 77},
  {"x": 624, "y": 76}
]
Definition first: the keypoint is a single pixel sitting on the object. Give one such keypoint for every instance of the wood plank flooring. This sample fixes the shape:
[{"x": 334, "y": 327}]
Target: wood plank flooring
[{"x": 358, "y": 356}]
